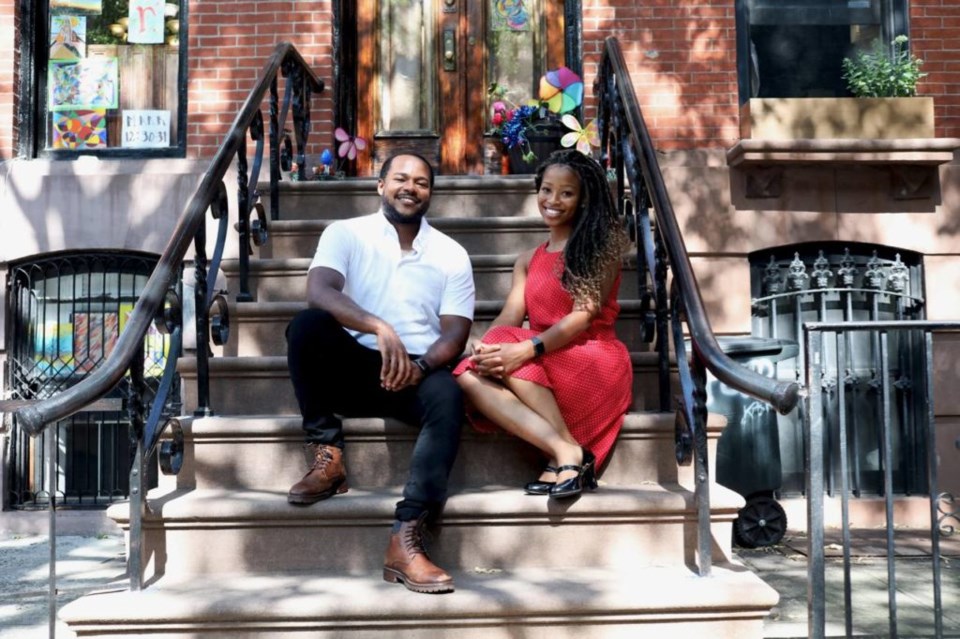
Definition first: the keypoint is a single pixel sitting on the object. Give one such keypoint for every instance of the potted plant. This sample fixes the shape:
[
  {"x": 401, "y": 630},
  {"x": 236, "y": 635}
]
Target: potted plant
[
  {"x": 532, "y": 130},
  {"x": 885, "y": 106}
]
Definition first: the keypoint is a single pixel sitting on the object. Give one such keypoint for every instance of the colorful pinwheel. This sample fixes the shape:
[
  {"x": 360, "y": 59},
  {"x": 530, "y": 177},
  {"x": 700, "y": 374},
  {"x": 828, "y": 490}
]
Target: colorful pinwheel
[
  {"x": 561, "y": 90},
  {"x": 349, "y": 145},
  {"x": 582, "y": 137}
]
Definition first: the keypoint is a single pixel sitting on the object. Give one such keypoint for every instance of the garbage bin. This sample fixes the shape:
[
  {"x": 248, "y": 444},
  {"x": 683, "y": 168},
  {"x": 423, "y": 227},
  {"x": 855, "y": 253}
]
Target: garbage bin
[{"x": 748, "y": 451}]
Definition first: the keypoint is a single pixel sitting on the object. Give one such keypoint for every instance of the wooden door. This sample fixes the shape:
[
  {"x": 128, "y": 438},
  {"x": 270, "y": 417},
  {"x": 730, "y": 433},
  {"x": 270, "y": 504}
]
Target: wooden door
[{"x": 424, "y": 67}]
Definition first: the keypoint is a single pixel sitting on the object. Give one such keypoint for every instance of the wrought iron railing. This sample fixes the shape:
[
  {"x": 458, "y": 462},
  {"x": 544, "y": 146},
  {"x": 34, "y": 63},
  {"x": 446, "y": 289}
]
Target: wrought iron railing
[
  {"x": 827, "y": 348},
  {"x": 160, "y": 301},
  {"x": 833, "y": 281},
  {"x": 626, "y": 144}
]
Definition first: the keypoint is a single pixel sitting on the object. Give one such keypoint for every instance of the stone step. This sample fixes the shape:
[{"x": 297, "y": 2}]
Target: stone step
[
  {"x": 453, "y": 196},
  {"x": 631, "y": 527},
  {"x": 266, "y": 453},
  {"x": 261, "y": 385},
  {"x": 478, "y": 235},
  {"x": 285, "y": 279},
  {"x": 258, "y": 328},
  {"x": 555, "y": 603}
]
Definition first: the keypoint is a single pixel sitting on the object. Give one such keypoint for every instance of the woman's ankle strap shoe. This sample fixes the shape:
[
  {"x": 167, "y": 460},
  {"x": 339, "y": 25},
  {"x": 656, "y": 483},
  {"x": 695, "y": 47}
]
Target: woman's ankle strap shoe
[{"x": 540, "y": 487}]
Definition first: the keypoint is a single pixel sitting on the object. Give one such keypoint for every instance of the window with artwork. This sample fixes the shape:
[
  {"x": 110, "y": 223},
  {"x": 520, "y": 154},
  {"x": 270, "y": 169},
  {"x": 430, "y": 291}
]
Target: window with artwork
[
  {"x": 795, "y": 48},
  {"x": 108, "y": 77}
]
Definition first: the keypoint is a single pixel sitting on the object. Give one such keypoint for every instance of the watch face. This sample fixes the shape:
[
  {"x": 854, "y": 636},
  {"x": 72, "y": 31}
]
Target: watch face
[{"x": 422, "y": 365}]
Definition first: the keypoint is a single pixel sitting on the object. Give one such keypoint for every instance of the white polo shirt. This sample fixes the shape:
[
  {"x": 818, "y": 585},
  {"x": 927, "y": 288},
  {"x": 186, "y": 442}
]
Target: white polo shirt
[{"x": 410, "y": 292}]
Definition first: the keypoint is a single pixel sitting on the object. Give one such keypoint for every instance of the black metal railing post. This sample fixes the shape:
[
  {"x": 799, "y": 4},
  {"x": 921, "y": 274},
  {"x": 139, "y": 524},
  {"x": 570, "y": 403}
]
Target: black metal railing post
[
  {"x": 138, "y": 486},
  {"x": 814, "y": 485}
]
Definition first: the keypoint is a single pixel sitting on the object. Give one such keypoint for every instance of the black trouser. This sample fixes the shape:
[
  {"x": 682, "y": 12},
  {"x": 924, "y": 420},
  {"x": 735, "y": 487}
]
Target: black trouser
[{"x": 333, "y": 373}]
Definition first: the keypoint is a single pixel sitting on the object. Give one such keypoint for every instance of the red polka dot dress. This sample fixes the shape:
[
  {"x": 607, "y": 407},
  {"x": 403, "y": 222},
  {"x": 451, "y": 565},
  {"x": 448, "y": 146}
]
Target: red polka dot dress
[{"x": 591, "y": 377}]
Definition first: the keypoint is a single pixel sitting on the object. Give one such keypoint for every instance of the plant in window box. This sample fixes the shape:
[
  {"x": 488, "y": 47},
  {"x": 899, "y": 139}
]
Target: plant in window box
[
  {"x": 885, "y": 106},
  {"x": 880, "y": 73},
  {"x": 530, "y": 131}
]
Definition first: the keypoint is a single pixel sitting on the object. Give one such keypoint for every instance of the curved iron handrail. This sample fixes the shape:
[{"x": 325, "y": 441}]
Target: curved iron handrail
[
  {"x": 34, "y": 417},
  {"x": 781, "y": 395}
]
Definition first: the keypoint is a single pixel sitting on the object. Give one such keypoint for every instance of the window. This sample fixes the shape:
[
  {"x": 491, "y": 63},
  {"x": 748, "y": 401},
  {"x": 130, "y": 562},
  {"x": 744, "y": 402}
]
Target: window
[
  {"x": 107, "y": 78},
  {"x": 795, "y": 48},
  {"x": 65, "y": 314}
]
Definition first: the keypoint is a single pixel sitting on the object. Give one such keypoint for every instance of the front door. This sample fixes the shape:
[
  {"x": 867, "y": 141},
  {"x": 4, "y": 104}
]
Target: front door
[{"x": 424, "y": 68}]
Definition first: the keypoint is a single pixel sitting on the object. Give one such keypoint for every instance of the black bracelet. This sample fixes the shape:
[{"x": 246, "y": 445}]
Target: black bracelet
[{"x": 538, "y": 347}]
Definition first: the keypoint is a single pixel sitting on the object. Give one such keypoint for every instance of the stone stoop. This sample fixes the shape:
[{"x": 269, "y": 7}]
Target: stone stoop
[
  {"x": 535, "y": 603},
  {"x": 226, "y": 554}
]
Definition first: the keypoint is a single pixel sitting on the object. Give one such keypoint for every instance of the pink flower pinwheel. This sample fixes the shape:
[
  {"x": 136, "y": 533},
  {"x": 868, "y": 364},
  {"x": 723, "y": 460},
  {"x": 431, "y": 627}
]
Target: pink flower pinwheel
[
  {"x": 349, "y": 145},
  {"x": 582, "y": 137}
]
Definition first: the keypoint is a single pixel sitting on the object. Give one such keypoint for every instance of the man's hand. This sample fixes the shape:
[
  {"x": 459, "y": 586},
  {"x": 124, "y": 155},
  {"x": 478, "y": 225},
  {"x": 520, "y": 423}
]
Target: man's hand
[{"x": 397, "y": 371}]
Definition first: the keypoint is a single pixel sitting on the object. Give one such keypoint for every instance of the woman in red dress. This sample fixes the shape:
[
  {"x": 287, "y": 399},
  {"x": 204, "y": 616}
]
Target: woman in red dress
[{"x": 564, "y": 384}]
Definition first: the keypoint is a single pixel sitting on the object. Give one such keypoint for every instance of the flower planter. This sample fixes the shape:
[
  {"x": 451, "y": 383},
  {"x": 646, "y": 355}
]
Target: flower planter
[
  {"x": 836, "y": 118},
  {"x": 542, "y": 145}
]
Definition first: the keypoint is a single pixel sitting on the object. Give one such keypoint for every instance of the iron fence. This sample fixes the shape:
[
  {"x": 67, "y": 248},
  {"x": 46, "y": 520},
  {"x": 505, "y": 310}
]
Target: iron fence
[{"x": 826, "y": 347}]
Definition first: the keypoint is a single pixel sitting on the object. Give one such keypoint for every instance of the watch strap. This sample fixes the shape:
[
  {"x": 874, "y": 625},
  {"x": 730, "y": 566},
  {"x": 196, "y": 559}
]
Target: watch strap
[{"x": 538, "y": 347}]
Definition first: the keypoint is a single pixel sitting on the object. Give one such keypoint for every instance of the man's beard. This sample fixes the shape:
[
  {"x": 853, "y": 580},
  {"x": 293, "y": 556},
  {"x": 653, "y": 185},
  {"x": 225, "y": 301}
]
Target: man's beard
[{"x": 397, "y": 217}]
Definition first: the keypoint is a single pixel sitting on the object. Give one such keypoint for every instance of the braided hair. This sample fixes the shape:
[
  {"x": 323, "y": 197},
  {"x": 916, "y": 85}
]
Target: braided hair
[{"x": 597, "y": 239}]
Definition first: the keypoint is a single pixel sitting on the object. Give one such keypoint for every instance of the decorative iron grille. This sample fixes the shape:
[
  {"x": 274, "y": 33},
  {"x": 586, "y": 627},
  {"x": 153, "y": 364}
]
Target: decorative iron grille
[
  {"x": 832, "y": 282},
  {"x": 65, "y": 313}
]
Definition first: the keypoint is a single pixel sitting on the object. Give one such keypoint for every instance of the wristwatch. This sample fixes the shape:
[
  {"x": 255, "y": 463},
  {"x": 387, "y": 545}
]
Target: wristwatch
[
  {"x": 423, "y": 365},
  {"x": 538, "y": 347}
]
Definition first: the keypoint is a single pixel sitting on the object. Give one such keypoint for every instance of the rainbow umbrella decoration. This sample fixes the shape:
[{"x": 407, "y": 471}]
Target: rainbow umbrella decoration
[{"x": 561, "y": 90}]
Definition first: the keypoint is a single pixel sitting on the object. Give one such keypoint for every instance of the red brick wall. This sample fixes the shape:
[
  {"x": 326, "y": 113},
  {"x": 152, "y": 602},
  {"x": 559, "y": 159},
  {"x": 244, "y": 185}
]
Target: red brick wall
[
  {"x": 9, "y": 63},
  {"x": 683, "y": 61},
  {"x": 229, "y": 42},
  {"x": 935, "y": 38},
  {"x": 681, "y": 54}
]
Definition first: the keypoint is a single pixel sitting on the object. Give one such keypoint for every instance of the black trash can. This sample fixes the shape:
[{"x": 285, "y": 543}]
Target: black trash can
[{"x": 748, "y": 451}]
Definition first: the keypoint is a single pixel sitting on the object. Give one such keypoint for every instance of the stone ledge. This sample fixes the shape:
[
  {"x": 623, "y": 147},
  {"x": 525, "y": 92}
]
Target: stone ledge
[{"x": 912, "y": 162}]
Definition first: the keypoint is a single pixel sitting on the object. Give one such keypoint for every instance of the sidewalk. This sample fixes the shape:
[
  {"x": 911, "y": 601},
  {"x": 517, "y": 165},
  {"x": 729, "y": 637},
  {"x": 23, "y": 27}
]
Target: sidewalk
[
  {"x": 90, "y": 563},
  {"x": 784, "y": 567}
]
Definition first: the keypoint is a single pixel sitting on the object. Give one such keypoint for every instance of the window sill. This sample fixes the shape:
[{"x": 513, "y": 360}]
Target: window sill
[{"x": 911, "y": 162}]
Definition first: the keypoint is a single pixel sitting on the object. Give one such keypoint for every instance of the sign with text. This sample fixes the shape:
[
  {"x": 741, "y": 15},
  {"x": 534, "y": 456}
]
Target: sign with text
[{"x": 145, "y": 129}]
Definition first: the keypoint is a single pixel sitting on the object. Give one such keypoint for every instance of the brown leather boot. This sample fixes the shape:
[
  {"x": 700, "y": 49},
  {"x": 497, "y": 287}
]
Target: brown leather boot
[
  {"x": 326, "y": 476},
  {"x": 407, "y": 562}
]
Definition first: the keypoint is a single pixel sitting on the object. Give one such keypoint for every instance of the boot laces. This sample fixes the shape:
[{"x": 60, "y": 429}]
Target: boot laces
[
  {"x": 322, "y": 458},
  {"x": 413, "y": 539}
]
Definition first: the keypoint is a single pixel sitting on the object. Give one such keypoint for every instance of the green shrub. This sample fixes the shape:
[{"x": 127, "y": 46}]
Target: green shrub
[{"x": 880, "y": 73}]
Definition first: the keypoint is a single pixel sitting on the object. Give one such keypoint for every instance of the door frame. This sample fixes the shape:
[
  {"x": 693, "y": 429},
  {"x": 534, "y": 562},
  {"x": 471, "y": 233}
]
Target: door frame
[{"x": 346, "y": 61}]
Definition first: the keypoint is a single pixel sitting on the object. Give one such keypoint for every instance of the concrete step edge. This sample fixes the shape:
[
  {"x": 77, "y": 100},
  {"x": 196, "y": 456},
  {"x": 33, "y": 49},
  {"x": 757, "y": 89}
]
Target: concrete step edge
[
  {"x": 338, "y": 602},
  {"x": 648, "y": 503}
]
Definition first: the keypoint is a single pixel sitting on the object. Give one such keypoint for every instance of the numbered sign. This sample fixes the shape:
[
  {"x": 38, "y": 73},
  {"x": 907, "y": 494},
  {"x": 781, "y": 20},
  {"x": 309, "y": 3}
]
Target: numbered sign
[{"x": 145, "y": 129}]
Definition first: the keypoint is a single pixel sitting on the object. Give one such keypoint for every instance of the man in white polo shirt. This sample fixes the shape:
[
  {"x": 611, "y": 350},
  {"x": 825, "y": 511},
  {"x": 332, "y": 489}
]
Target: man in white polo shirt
[{"x": 390, "y": 307}]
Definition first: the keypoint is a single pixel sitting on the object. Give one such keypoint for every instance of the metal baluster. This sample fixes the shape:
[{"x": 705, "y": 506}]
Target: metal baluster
[
  {"x": 51, "y": 454},
  {"x": 137, "y": 484},
  {"x": 846, "y": 277},
  {"x": 887, "y": 456},
  {"x": 243, "y": 226},
  {"x": 932, "y": 483},
  {"x": 813, "y": 440},
  {"x": 202, "y": 322},
  {"x": 274, "y": 152},
  {"x": 844, "y": 487}
]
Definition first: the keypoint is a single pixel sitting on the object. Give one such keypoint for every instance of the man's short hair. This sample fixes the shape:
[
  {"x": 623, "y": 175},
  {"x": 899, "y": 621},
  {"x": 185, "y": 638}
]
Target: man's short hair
[{"x": 386, "y": 165}]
